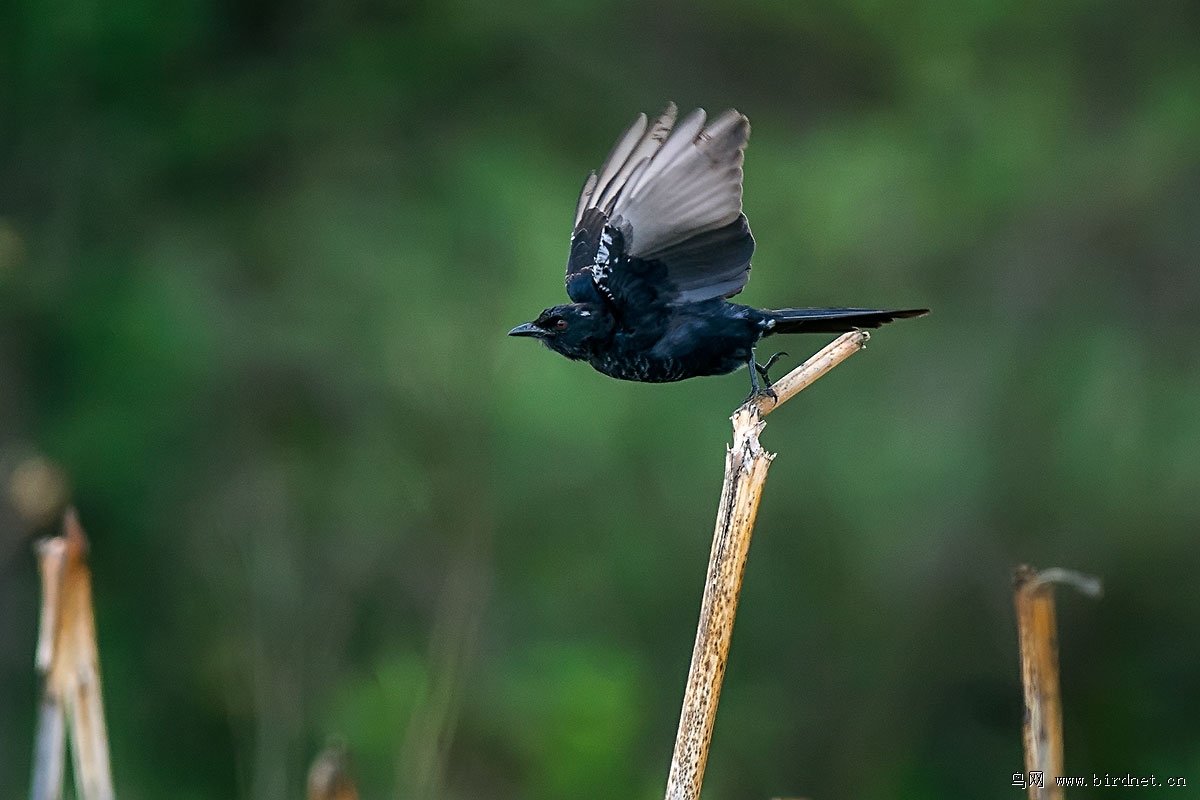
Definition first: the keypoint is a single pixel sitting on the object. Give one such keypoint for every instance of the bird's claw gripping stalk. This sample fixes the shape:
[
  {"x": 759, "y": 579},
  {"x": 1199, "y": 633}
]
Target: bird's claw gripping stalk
[
  {"x": 756, "y": 370},
  {"x": 761, "y": 369}
]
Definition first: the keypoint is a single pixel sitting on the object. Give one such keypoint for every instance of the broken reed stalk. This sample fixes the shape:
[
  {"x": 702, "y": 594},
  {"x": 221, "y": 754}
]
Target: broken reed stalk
[
  {"x": 330, "y": 776},
  {"x": 1037, "y": 631},
  {"x": 746, "y": 464},
  {"x": 68, "y": 659}
]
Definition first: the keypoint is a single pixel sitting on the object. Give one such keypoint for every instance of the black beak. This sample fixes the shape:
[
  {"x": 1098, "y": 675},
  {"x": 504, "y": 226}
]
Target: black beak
[{"x": 527, "y": 329}]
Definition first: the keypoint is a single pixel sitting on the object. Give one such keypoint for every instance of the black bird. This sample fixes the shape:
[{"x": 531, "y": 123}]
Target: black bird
[{"x": 660, "y": 243}]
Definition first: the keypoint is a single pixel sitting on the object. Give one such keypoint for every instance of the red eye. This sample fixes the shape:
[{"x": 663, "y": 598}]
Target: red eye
[{"x": 560, "y": 324}]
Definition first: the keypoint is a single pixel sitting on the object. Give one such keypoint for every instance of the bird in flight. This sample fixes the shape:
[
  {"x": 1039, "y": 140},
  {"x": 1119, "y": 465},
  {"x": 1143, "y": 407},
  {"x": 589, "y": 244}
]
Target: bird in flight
[{"x": 660, "y": 245}]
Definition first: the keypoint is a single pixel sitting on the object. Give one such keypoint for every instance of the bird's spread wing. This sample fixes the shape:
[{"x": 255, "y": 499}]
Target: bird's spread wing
[{"x": 663, "y": 218}]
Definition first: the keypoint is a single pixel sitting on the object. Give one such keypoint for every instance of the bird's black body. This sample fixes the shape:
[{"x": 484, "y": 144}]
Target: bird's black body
[
  {"x": 711, "y": 337},
  {"x": 659, "y": 245}
]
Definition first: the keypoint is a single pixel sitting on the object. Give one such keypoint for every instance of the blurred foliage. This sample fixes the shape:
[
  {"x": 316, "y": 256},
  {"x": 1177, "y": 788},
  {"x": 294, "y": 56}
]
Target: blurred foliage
[{"x": 256, "y": 265}]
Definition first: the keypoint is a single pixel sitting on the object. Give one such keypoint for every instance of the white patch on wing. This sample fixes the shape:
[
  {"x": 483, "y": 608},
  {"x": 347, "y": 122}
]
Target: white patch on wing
[
  {"x": 602, "y": 266},
  {"x": 604, "y": 249}
]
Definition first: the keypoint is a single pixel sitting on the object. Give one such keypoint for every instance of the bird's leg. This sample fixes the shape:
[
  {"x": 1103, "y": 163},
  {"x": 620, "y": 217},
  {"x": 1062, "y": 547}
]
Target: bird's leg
[
  {"x": 761, "y": 369},
  {"x": 756, "y": 370}
]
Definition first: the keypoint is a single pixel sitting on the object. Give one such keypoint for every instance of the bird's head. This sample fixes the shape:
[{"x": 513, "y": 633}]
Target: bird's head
[{"x": 566, "y": 329}]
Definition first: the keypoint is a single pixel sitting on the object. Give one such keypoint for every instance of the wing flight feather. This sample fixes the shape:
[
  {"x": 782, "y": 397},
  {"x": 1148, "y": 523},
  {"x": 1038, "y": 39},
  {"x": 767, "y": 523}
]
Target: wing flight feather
[{"x": 674, "y": 193}]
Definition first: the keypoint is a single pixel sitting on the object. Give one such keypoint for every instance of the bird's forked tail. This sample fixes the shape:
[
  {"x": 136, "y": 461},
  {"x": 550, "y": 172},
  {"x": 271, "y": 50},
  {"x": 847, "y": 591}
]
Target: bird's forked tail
[{"x": 835, "y": 320}]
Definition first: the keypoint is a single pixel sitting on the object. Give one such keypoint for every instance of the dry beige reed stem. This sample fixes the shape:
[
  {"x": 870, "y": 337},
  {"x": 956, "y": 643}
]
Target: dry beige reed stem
[
  {"x": 746, "y": 464},
  {"x": 1037, "y": 630},
  {"x": 69, "y": 661}
]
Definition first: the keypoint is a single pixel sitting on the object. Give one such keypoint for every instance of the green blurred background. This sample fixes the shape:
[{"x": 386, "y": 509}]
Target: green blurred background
[{"x": 257, "y": 260}]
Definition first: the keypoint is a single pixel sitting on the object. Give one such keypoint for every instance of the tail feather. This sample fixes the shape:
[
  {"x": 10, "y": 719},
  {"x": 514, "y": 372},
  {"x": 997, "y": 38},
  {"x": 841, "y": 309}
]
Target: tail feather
[{"x": 836, "y": 320}]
